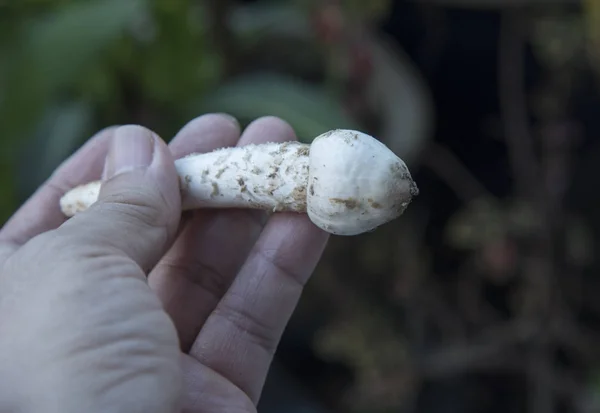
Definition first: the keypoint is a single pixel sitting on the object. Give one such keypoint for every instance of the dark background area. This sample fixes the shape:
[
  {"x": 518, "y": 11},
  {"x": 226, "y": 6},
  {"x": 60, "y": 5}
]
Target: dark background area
[{"x": 483, "y": 296}]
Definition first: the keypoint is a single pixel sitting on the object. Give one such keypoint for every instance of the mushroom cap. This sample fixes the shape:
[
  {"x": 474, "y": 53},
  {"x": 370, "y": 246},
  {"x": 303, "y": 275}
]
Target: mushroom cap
[{"x": 355, "y": 183}]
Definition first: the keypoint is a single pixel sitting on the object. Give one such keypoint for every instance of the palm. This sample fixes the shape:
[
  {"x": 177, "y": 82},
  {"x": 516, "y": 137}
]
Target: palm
[{"x": 229, "y": 282}]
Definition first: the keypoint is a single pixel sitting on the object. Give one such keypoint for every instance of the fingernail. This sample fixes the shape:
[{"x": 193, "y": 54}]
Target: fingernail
[{"x": 132, "y": 147}]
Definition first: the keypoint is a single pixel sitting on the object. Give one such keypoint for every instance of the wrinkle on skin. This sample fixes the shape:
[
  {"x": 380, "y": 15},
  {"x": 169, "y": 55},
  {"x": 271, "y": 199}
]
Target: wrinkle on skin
[{"x": 84, "y": 329}]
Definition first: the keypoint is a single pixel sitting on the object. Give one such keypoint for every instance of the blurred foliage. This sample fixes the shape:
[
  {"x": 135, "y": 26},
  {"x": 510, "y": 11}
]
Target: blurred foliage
[
  {"x": 306, "y": 107},
  {"x": 71, "y": 67}
]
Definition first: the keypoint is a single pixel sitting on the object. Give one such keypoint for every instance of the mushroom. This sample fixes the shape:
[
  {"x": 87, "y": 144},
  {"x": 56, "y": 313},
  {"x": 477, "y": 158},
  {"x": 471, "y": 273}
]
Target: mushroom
[{"x": 346, "y": 181}]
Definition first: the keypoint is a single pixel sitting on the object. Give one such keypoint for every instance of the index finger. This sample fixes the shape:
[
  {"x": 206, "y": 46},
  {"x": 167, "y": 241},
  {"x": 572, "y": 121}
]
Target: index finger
[{"x": 240, "y": 337}]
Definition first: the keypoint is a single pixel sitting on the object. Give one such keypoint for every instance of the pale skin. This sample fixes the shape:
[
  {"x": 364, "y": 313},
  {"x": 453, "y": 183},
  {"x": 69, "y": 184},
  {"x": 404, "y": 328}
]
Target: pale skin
[{"x": 129, "y": 307}]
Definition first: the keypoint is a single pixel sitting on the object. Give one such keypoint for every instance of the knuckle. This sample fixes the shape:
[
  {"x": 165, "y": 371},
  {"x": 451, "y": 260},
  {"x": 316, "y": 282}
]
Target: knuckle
[
  {"x": 139, "y": 206},
  {"x": 278, "y": 263},
  {"x": 251, "y": 327},
  {"x": 198, "y": 272}
]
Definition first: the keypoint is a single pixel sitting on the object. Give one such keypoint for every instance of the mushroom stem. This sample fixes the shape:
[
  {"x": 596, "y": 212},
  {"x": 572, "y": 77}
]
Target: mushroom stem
[
  {"x": 269, "y": 176},
  {"x": 346, "y": 181}
]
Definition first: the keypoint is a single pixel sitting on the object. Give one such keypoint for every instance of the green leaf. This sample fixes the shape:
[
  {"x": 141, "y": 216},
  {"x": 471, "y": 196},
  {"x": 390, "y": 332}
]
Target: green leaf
[
  {"x": 53, "y": 52},
  {"x": 178, "y": 64},
  {"x": 402, "y": 99},
  {"x": 281, "y": 18},
  {"x": 8, "y": 201},
  {"x": 69, "y": 40},
  {"x": 267, "y": 31},
  {"x": 308, "y": 109},
  {"x": 61, "y": 130}
]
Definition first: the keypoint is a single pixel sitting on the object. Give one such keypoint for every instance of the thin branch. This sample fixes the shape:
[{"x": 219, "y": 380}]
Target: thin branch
[
  {"x": 495, "y": 349},
  {"x": 497, "y": 4},
  {"x": 513, "y": 104},
  {"x": 454, "y": 173},
  {"x": 485, "y": 351},
  {"x": 218, "y": 14}
]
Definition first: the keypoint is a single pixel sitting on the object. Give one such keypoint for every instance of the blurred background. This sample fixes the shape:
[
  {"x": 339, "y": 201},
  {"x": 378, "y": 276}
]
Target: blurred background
[{"x": 483, "y": 297}]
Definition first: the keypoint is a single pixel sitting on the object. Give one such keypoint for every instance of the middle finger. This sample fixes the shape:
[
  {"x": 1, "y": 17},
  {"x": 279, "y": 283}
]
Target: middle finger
[{"x": 213, "y": 244}]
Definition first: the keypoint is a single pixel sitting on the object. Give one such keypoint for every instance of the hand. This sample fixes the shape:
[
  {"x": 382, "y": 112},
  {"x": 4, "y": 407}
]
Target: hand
[{"x": 123, "y": 308}]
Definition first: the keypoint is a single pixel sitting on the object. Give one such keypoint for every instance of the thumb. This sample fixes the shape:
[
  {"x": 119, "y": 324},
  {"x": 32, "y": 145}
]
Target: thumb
[{"x": 138, "y": 209}]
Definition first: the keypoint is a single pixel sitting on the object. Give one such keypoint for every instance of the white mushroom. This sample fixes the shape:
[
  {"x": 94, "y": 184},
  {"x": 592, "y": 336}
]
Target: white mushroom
[{"x": 346, "y": 181}]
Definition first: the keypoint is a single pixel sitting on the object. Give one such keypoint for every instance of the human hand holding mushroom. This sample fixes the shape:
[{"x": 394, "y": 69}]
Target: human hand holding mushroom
[
  {"x": 346, "y": 181},
  {"x": 131, "y": 306}
]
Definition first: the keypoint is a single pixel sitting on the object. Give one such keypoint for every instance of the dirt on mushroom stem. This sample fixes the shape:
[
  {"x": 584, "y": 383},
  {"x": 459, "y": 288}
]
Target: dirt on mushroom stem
[
  {"x": 271, "y": 176},
  {"x": 346, "y": 181}
]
